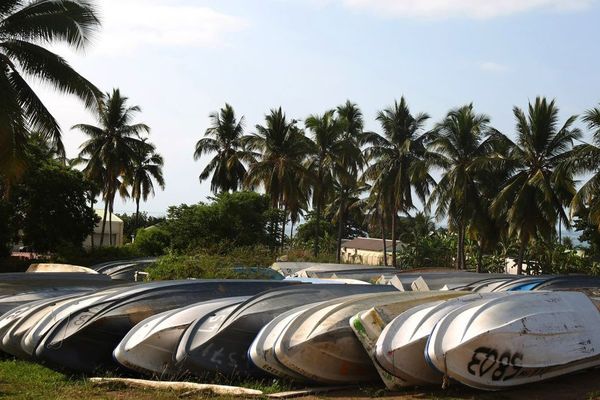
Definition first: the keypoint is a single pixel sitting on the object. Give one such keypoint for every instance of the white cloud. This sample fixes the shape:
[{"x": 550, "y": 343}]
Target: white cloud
[
  {"x": 491, "y": 66},
  {"x": 480, "y": 9},
  {"x": 130, "y": 24}
]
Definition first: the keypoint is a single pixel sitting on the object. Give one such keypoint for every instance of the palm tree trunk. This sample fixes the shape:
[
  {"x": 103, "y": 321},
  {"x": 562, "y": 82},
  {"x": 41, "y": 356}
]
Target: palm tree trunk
[
  {"x": 137, "y": 214},
  {"x": 385, "y": 260},
  {"x": 394, "y": 261},
  {"x": 463, "y": 260},
  {"x": 93, "y": 197},
  {"x": 292, "y": 230},
  {"x": 110, "y": 238},
  {"x": 520, "y": 257},
  {"x": 318, "y": 227},
  {"x": 479, "y": 258},
  {"x": 460, "y": 248},
  {"x": 104, "y": 222},
  {"x": 283, "y": 227},
  {"x": 341, "y": 223}
]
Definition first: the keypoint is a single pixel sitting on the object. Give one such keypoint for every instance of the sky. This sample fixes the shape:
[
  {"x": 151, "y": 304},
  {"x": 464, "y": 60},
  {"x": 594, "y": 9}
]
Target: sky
[{"x": 179, "y": 60}]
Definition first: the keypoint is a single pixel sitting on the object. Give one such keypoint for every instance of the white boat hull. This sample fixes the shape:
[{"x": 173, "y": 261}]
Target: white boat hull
[{"x": 517, "y": 339}]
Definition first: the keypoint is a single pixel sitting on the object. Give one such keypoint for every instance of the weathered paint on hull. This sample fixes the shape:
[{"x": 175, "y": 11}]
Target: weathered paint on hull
[
  {"x": 518, "y": 339},
  {"x": 150, "y": 346},
  {"x": 238, "y": 330},
  {"x": 320, "y": 345}
]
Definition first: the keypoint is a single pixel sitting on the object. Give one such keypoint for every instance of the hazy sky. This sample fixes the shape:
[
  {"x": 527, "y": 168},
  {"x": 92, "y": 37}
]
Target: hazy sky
[{"x": 181, "y": 59}]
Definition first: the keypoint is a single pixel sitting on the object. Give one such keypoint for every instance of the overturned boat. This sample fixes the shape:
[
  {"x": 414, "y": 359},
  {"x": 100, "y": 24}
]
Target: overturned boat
[
  {"x": 320, "y": 345},
  {"x": 522, "y": 338},
  {"x": 151, "y": 345},
  {"x": 239, "y": 329},
  {"x": 85, "y": 341},
  {"x": 399, "y": 349},
  {"x": 262, "y": 350},
  {"x": 19, "y": 321}
]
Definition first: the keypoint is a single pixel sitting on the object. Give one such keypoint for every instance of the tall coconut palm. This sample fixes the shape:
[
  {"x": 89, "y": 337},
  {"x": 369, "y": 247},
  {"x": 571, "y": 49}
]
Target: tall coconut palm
[
  {"x": 224, "y": 137},
  {"x": 400, "y": 161},
  {"x": 112, "y": 148},
  {"x": 280, "y": 147},
  {"x": 484, "y": 228},
  {"x": 586, "y": 158},
  {"x": 25, "y": 27},
  {"x": 534, "y": 196},
  {"x": 377, "y": 208},
  {"x": 346, "y": 197},
  {"x": 146, "y": 168},
  {"x": 335, "y": 154},
  {"x": 460, "y": 143}
]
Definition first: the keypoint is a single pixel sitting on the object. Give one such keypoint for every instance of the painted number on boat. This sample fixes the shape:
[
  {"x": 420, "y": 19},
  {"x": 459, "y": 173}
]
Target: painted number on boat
[{"x": 500, "y": 366}]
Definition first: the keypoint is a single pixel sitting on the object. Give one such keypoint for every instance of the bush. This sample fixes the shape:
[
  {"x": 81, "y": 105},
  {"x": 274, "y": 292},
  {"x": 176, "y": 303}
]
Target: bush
[
  {"x": 52, "y": 207},
  {"x": 239, "y": 218},
  {"x": 152, "y": 241},
  {"x": 213, "y": 265},
  {"x": 299, "y": 254},
  {"x": 77, "y": 256},
  {"x": 6, "y": 229},
  {"x": 435, "y": 250}
]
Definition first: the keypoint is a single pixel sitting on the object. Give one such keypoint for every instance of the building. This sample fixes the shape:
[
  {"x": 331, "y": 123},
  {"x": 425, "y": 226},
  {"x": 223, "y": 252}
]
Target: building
[
  {"x": 117, "y": 232},
  {"x": 368, "y": 251}
]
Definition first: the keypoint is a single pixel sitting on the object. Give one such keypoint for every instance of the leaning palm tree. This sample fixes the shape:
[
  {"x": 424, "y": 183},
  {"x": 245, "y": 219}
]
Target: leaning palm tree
[
  {"x": 25, "y": 27},
  {"x": 112, "y": 148},
  {"x": 586, "y": 158},
  {"x": 147, "y": 166},
  {"x": 400, "y": 162},
  {"x": 335, "y": 154},
  {"x": 224, "y": 137},
  {"x": 280, "y": 148},
  {"x": 461, "y": 143},
  {"x": 540, "y": 186}
]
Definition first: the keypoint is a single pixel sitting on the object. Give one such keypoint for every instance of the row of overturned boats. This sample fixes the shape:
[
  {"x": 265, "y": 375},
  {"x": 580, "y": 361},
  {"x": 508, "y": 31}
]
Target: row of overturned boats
[{"x": 323, "y": 324}]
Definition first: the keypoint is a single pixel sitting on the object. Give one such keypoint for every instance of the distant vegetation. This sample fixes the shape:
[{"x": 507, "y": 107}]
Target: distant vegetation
[{"x": 500, "y": 197}]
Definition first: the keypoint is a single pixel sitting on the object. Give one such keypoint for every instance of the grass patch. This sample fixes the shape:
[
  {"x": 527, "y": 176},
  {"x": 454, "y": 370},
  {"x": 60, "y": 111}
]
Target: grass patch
[{"x": 28, "y": 381}]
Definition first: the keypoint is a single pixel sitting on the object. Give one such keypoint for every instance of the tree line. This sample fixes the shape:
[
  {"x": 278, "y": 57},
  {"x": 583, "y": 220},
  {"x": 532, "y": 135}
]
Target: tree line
[
  {"x": 492, "y": 189},
  {"x": 117, "y": 156}
]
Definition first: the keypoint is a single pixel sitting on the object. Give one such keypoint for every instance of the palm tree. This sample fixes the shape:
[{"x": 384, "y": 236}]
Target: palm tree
[
  {"x": 346, "y": 180},
  {"x": 280, "y": 148},
  {"x": 377, "y": 207},
  {"x": 534, "y": 196},
  {"x": 112, "y": 148},
  {"x": 346, "y": 197},
  {"x": 460, "y": 145},
  {"x": 400, "y": 161},
  {"x": 586, "y": 158},
  {"x": 24, "y": 28},
  {"x": 224, "y": 137},
  {"x": 335, "y": 155},
  {"x": 147, "y": 166}
]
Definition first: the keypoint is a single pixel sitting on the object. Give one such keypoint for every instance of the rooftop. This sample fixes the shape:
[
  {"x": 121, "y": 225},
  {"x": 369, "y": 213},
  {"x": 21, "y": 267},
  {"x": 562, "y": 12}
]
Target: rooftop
[{"x": 368, "y": 244}]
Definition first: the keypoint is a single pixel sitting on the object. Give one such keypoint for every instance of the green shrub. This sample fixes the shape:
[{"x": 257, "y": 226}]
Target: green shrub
[
  {"x": 152, "y": 241},
  {"x": 240, "y": 218},
  {"x": 205, "y": 265},
  {"x": 301, "y": 254},
  {"x": 78, "y": 256}
]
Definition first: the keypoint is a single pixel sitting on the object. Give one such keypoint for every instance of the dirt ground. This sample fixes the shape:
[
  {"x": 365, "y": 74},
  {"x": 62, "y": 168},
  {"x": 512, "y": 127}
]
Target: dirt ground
[{"x": 583, "y": 386}]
